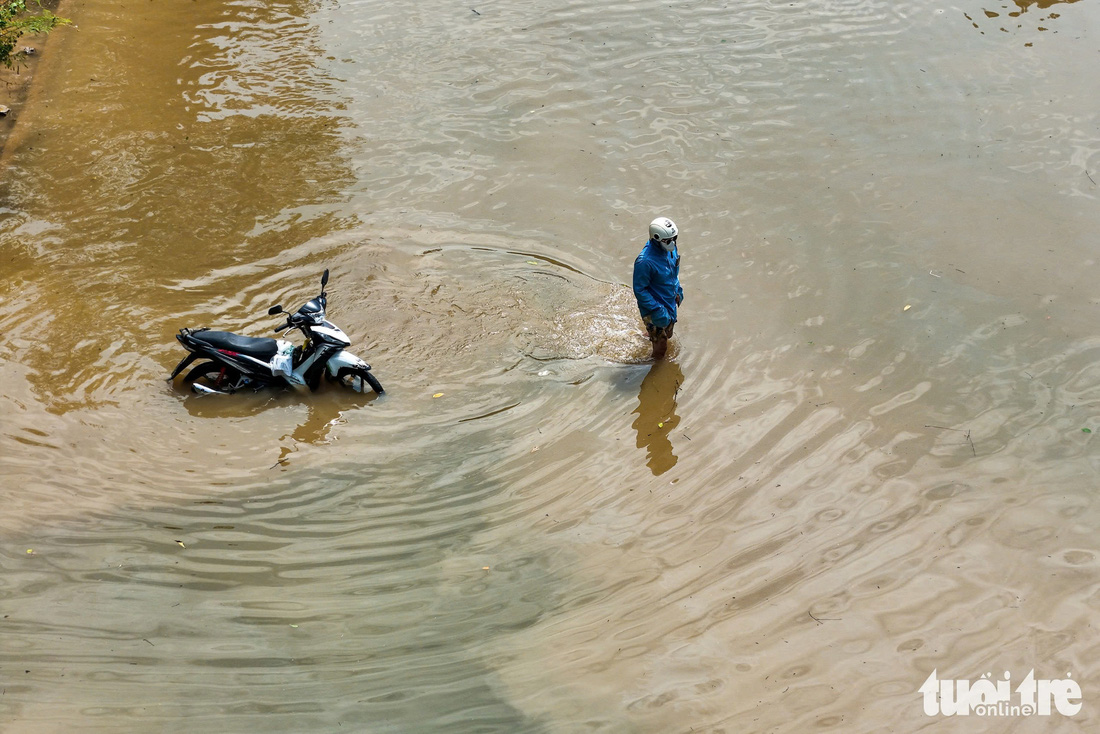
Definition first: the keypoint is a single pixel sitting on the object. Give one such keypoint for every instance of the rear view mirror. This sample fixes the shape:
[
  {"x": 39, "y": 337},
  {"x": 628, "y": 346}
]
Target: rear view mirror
[
  {"x": 324, "y": 278},
  {"x": 275, "y": 309}
]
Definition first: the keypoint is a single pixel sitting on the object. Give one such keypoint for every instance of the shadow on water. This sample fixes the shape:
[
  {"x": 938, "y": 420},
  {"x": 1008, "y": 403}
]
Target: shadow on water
[
  {"x": 323, "y": 410},
  {"x": 322, "y": 416},
  {"x": 1023, "y": 5},
  {"x": 657, "y": 415},
  {"x": 328, "y": 400},
  {"x": 1011, "y": 15}
]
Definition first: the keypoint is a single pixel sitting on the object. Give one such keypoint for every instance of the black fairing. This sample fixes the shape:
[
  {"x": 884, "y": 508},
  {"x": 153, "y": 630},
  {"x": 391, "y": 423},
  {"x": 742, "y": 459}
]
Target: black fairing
[{"x": 313, "y": 310}]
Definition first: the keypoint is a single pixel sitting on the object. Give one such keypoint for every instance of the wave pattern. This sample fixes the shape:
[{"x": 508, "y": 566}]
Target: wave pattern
[{"x": 869, "y": 456}]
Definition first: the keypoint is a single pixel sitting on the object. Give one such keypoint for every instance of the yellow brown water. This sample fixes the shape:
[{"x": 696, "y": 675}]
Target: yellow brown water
[{"x": 866, "y": 459}]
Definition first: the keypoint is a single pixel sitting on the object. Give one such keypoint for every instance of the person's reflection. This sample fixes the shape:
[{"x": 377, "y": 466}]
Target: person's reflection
[{"x": 657, "y": 415}]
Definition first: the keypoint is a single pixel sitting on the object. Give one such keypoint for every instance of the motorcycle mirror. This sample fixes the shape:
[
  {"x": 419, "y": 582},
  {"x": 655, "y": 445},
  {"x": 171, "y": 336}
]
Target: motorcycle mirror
[
  {"x": 274, "y": 310},
  {"x": 324, "y": 279}
]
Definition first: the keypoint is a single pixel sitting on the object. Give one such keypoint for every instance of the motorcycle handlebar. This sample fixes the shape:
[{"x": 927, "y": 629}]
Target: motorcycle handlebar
[{"x": 284, "y": 327}]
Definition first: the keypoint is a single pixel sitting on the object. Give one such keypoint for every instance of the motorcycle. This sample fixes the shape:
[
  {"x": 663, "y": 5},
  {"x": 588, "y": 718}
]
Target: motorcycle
[{"x": 235, "y": 362}]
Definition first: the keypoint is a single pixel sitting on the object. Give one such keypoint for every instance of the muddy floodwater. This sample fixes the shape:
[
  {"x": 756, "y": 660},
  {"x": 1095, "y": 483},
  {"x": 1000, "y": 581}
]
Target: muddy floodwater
[{"x": 872, "y": 454}]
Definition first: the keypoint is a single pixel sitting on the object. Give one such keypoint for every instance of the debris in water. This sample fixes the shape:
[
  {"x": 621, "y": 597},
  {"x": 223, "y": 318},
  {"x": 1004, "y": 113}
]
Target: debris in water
[
  {"x": 907, "y": 307},
  {"x": 180, "y": 544},
  {"x": 1083, "y": 430},
  {"x": 438, "y": 395}
]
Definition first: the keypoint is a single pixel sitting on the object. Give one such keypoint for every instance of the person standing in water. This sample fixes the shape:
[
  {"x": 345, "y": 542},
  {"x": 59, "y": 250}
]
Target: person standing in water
[{"x": 657, "y": 283}]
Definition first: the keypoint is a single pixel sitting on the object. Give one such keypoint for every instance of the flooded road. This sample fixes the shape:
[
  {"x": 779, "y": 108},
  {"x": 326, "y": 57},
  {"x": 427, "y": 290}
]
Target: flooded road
[{"x": 870, "y": 456}]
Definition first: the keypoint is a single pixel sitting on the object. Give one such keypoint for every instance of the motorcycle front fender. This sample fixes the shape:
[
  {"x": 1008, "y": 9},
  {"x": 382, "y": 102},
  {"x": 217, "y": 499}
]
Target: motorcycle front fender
[{"x": 344, "y": 359}]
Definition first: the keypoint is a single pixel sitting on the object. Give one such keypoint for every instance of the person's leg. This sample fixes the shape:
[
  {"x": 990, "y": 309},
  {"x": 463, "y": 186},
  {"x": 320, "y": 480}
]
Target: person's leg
[
  {"x": 660, "y": 346},
  {"x": 659, "y": 336}
]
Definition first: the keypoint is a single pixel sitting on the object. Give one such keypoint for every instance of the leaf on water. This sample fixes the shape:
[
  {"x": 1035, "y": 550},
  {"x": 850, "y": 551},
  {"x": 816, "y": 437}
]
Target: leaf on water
[
  {"x": 907, "y": 307},
  {"x": 660, "y": 425},
  {"x": 438, "y": 395},
  {"x": 180, "y": 544},
  {"x": 1083, "y": 430},
  {"x": 532, "y": 262}
]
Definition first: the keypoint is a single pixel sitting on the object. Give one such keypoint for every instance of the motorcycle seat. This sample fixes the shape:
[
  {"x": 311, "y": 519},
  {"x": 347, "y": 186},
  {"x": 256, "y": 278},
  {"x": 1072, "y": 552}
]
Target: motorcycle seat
[{"x": 259, "y": 347}]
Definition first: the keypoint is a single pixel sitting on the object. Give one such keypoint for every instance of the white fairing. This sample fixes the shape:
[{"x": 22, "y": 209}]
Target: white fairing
[
  {"x": 343, "y": 359},
  {"x": 333, "y": 332}
]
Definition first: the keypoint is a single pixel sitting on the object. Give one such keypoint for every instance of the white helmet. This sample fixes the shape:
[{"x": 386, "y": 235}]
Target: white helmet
[{"x": 662, "y": 230}]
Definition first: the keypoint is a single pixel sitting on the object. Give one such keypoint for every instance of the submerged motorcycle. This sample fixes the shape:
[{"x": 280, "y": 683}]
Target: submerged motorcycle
[{"x": 235, "y": 362}]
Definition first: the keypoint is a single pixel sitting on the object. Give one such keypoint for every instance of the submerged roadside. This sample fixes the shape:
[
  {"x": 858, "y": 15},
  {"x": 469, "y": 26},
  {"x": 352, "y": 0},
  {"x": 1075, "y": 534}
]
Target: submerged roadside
[{"x": 16, "y": 83}]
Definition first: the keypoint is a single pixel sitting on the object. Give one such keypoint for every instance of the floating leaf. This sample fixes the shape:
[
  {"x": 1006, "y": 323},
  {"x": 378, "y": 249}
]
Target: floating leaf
[
  {"x": 532, "y": 262},
  {"x": 294, "y": 626},
  {"x": 1083, "y": 430},
  {"x": 438, "y": 395},
  {"x": 180, "y": 544},
  {"x": 660, "y": 425},
  {"x": 30, "y": 550},
  {"x": 907, "y": 307}
]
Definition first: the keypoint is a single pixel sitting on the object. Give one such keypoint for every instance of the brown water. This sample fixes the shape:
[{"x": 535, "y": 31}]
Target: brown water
[{"x": 865, "y": 459}]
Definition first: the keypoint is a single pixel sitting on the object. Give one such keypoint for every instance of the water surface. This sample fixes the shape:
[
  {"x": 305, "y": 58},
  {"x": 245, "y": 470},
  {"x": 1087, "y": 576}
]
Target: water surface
[{"x": 865, "y": 459}]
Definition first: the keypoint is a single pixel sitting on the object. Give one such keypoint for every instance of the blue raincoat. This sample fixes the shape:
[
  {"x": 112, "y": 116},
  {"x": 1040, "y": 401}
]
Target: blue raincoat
[{"x": 657, "y": 283}]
